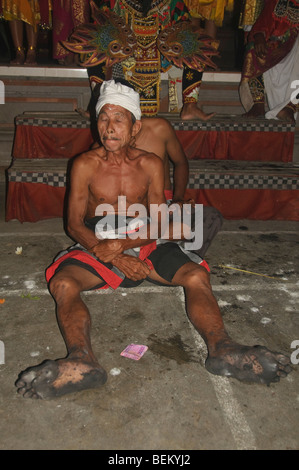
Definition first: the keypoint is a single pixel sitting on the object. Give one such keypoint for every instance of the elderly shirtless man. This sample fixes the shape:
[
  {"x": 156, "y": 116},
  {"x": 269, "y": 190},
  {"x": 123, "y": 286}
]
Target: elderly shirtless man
[
  {"x": 99, "y": 177},
  {"x": 158, "y": 136}
]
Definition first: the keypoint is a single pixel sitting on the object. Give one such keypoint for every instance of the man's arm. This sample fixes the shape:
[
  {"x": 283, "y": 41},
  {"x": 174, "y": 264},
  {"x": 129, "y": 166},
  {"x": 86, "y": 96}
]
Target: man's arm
[
  {"x": 82, "y": 170},
  {"x": 177, "y": 156}
]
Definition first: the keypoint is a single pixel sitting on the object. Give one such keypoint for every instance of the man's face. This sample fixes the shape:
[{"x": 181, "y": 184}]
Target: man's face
[{"x": 115, "y": 127}]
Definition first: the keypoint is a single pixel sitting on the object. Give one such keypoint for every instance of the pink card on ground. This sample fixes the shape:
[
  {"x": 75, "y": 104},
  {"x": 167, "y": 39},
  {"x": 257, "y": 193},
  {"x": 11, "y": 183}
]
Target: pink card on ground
[{"x": 134, "y": 351}]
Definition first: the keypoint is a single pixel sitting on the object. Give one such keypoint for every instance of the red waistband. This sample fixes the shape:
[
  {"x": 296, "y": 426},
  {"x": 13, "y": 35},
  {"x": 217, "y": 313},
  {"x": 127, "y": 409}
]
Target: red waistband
[{"x": 111, "y": 279}]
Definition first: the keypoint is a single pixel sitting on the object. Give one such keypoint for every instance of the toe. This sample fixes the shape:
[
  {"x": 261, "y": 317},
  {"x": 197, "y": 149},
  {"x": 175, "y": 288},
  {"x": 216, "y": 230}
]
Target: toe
[
  {"x": 21, "y": 390},
  {"x": 20, "y": 384},
  {"x": 282, "y": 359},
  {"x": 30, "y": 394}
]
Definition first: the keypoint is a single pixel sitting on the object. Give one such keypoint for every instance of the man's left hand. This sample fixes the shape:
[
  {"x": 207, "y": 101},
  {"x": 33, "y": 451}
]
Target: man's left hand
[{"x": 107, "y": 250}]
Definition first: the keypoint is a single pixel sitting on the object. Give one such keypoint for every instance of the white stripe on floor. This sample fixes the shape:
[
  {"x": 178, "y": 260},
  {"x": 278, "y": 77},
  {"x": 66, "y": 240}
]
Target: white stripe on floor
[
  {"x": 33, "y": 234},
  {"x": 240, "y": 430},
  {"x": 242, "y": 434},
  {"x": 158, "y": 289}
]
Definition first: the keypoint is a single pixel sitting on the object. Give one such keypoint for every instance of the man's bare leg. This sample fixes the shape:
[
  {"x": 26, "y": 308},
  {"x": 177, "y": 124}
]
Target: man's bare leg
[
  {"x": 80, "y": 370},
  {"x": 225, "y": 356},
  {"x": 16, "y": 30},
  {"x": 32, "y": 42},
  {"x": 191, "y": 84},
  {"x": 191, "y": 111}
]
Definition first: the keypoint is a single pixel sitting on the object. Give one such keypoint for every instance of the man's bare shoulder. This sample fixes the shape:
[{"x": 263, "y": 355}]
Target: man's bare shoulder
[
  {"x": 86, "y": 165},
  {"x": 143, "y": 157},
  {"x": 143, "y": 154},
  {"x": 148, "y": 161},
  {"x": 158, "y": 125},
  {"x": 90, "y": 158}
]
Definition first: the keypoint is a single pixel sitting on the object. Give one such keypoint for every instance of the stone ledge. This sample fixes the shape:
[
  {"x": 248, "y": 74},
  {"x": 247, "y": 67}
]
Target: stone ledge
[
  {"x": 81, "y": 73},
  {"x": 202, "y": 174}
]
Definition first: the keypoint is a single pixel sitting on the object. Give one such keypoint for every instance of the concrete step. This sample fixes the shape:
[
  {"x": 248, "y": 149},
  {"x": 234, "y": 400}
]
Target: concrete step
[
  {"x": 39, "y": 135},
  {"x": 238, "y": 189},
  {"x": 51, "y": 89},
  {"x": 7, "y": 132},
  {"x": 216, "y": 174}
]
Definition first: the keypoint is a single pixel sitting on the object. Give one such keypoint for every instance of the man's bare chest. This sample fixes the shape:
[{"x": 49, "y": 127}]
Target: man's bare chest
[{"x": 109, "y": 184}]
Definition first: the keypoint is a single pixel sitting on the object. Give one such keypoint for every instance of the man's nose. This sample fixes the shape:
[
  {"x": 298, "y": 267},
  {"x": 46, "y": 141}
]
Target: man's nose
[{"x": 110, "y": 128}]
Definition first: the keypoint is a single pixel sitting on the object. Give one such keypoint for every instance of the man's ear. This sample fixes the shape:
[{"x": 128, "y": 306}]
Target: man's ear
[{"x": 136, "y": 127}]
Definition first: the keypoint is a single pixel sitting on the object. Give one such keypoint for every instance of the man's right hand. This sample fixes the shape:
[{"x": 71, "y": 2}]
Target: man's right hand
[
  {"x": 133, "y": 268},
  {"x": 260, "y": 45}
]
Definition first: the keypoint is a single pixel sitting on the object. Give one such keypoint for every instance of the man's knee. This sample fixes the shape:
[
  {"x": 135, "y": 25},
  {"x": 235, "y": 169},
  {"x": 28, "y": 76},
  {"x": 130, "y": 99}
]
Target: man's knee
[
  {"x": 193, "y": 275},
  {"x": 198, "y": 276},
  {"x": 60, "y": 286}
]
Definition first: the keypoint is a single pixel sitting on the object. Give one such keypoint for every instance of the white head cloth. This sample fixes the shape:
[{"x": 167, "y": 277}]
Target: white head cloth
[{"x": 120, "y": 95}]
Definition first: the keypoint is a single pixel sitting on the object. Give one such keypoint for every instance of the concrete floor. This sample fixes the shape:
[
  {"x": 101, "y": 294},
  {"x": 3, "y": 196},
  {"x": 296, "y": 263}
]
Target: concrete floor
[{"x": 166, "y": 400}]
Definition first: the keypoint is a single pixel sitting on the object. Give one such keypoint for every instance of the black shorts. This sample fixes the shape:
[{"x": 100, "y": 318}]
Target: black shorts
[{"x": 166, "y": 259}]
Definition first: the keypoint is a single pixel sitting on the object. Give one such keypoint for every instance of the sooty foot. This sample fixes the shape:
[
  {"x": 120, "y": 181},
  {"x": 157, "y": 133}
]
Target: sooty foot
[
  {"x": 249, "y": 364},
  {"x": 53, "y": 379}
]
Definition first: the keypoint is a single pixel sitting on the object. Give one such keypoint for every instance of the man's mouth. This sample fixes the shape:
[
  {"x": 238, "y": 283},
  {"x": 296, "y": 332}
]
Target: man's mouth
[{"x": 109, "y": 138}]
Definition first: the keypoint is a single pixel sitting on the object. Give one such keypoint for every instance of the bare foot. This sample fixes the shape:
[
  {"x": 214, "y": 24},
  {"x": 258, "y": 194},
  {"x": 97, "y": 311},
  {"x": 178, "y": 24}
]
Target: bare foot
[
  {"x": 286, "y": 114},
  {"x": 20, "y": 57},
  {"x": 31, "y": 56},
  {"x": 191, "y": 111},
  {"x": 53, "y": 379},
  {"x": 257, "y": 110},
  {"x": 249, "y": 364},
  {"x": 83, "y": 113}
]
